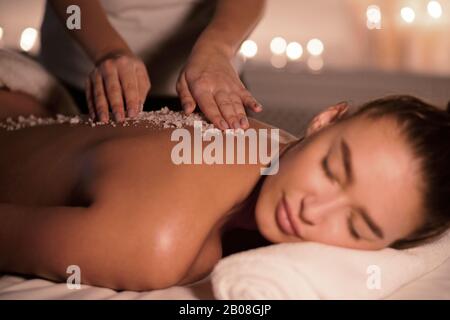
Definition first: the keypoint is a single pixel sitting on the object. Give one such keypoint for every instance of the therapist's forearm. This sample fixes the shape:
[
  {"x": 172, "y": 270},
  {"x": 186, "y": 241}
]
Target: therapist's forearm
[
  {"x": 233, "y": 21},
  {"x": 97, "y": 36}
]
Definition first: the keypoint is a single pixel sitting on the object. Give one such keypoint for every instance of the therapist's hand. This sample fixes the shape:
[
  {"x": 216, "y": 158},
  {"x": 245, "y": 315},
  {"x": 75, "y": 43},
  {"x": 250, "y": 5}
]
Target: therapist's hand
[
  {"x": 120, "y": 84},
  {"x": 210, "y": 81}
]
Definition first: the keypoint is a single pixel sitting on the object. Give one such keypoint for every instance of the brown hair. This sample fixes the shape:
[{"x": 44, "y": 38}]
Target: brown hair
[{"x": 427, "y": 128}]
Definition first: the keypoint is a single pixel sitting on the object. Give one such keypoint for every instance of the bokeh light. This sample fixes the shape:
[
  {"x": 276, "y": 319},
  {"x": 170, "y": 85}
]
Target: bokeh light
[
  {"x": 434, "y": 9},
  {"x": 315, "y": 47},
  {"x": 373, "y": 14},
  {"x": 249, "y": 48},
  {"x": 315, "y": 63},
  {"x": 28, "y": 39},
  {"x": 278, "y": 45},
  {"x": 294, "y": 50},
  {"x": 278, "y": 61},
  {"x": 408, "y": 14}
]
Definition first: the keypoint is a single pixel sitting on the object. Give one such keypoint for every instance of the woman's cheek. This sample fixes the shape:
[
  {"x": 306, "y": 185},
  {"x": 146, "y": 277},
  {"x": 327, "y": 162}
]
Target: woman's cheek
[
  {"x": 311, "y": 181},
  {"x": 327, "y": 232}
]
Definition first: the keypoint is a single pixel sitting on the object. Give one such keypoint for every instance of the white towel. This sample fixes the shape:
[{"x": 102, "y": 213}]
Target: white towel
[
  {"x": 20, "y": 73},
  {"x": 316, "y": 271}
]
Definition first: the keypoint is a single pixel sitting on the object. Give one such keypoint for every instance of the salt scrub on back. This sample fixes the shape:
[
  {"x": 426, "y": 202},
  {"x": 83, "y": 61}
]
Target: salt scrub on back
[{"x": 164, "y": 118}]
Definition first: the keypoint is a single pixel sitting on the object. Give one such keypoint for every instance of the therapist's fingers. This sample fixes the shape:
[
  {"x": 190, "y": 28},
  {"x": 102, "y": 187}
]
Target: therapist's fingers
[
  {"x": 89, "y": 98},
  {"x": 239, "y": 110},
  {"x": 249, "y": 101},
  {"x": 209, "y": 107},
  {"x": 113, "y": 90},
  {"x": 129, "y": 84},
  {"x": 226, "y": 108},
  {"x": 144, "y": 83},
  {"x": 186, "y": 99},
  {"x": 100, "y": 101}
]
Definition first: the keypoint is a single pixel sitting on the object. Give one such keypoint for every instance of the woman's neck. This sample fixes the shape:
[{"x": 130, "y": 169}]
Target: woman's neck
[{"x": 242, "y": 215}]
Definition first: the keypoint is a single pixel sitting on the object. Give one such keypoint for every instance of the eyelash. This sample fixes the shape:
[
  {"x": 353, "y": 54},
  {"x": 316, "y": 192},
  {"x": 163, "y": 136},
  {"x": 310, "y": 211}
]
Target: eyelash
[
  {"x": 352, "y": 230},
  {"x": 330, "y": 176},
  {"x": 326, "y": 169}
]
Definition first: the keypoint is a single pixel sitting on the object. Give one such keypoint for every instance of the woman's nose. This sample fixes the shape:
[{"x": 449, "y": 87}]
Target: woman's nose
[{"x": 316, "y": 208}]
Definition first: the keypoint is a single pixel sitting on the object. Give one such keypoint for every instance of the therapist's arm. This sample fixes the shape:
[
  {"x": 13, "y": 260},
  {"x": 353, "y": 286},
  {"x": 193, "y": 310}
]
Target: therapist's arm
[
  {"x": 232, "y": 23},
  {"x": 119, "y": 76},
  {"x": 97, "y": 36},
  {"x": 209, "y": 79}
]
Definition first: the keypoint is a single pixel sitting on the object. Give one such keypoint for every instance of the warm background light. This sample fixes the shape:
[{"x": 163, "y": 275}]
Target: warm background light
[
  {"x": 249, "y": 48},
  {"x": 408, "y": 14},
  {"x": 434, "y": 9},
  {"x": 373, "y": 14},
  {"x": 278, "y": 61},
  {"x": 28, "y": 39},
  {"x": 294, "y": 50},
  {"x": 278, "y": 45},
  {"x": 357, "y": 34},
  {"x": 315, "y": 63},
  {"x": 315, "y": 47}
]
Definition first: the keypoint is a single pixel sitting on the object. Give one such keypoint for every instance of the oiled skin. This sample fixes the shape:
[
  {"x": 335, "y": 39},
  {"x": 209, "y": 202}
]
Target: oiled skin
[{"x": 138, "y": 213}]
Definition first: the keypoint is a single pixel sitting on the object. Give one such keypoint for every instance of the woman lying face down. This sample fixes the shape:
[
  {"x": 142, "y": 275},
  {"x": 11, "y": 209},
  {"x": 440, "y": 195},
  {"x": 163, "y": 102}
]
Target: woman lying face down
[
  {"x": 131, "y": 219},
  {"x": 374, "y": 179}
]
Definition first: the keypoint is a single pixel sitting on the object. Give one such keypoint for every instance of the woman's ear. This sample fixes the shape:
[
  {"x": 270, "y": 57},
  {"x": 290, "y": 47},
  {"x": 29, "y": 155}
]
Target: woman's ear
[{"x": 326, "y": 117}]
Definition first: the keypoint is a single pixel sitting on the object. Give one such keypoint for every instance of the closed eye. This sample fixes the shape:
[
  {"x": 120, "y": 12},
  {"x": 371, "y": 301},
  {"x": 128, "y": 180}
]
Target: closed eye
[
  {"x": 352, "y": 230},
  {"x": 326, "y": 169}
]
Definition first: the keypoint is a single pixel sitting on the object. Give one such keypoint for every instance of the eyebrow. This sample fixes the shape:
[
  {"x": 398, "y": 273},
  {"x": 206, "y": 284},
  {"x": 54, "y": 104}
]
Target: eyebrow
[{"x": 347, "y": 164}]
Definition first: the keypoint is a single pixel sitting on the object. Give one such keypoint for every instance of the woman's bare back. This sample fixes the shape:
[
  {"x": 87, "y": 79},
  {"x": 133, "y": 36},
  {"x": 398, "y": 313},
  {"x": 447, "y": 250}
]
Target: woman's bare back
[{"x": 128, "y": 172}]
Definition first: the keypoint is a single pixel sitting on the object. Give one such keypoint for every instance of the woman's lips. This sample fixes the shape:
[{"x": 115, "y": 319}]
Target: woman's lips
[{"x": 285, "y": 220}]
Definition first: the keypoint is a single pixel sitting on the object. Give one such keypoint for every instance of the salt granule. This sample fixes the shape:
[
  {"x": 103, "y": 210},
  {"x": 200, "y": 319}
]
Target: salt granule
[{"x": 163, "y": 118}]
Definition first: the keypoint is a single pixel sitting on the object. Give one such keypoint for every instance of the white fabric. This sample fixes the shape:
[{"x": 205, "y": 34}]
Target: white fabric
[
  {"x": 434, "y": 285},
  {"x": 394, "y": 272},
  {"x": 15, "y": 287},
  {"x": 19, "y": 73},
  {"x": 161, "y": 32},
  {"x": 316, "y": 271}
]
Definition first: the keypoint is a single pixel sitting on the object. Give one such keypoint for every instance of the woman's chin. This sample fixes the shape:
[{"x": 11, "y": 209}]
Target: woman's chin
[{"x": 268, "y": 228}]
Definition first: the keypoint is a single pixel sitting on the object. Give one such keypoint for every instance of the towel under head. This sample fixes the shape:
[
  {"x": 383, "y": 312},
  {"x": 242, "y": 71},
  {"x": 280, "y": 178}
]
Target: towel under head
[
  {"x": 316, "y": 271},
  {"x": 22, "y": 74}
]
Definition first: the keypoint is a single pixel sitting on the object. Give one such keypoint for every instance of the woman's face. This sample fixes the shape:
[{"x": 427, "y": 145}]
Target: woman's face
[{"x": 353, "y": 184}]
